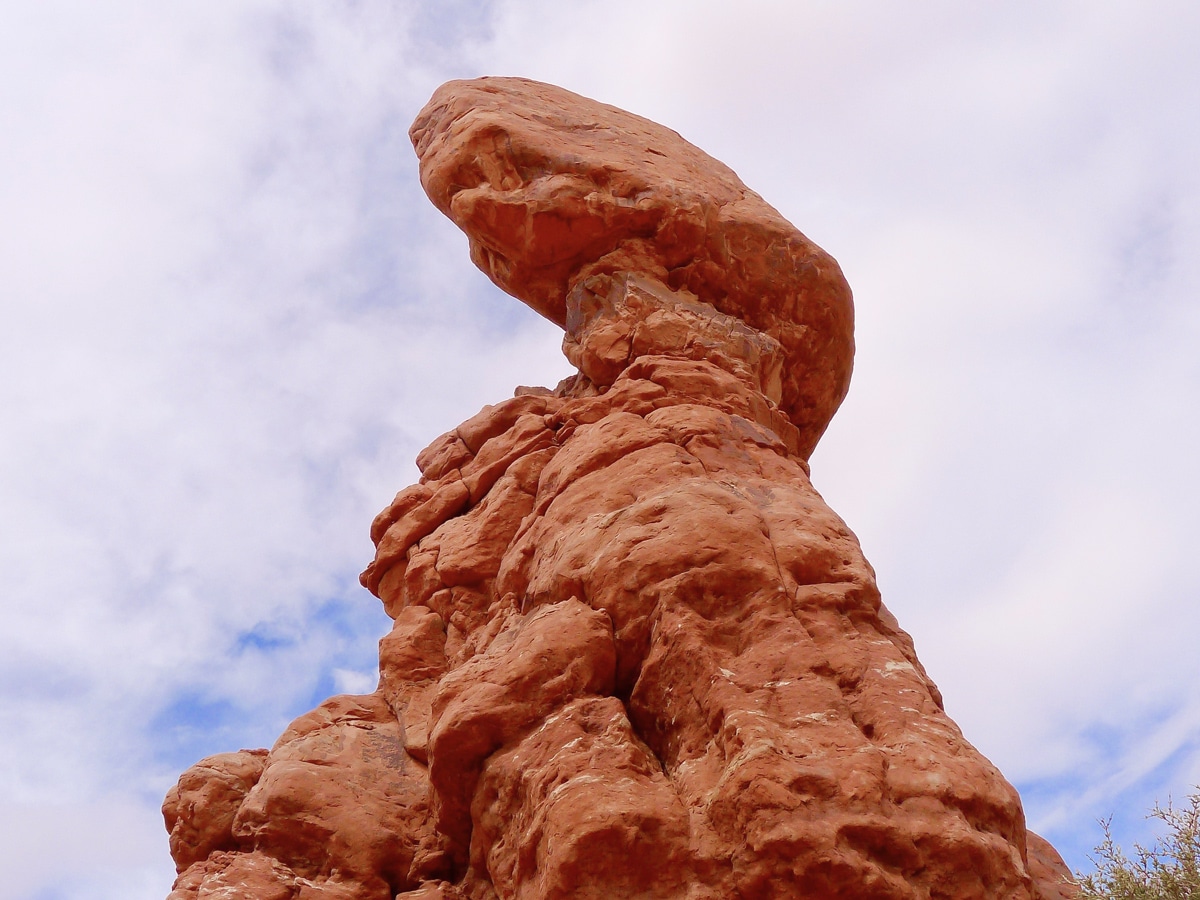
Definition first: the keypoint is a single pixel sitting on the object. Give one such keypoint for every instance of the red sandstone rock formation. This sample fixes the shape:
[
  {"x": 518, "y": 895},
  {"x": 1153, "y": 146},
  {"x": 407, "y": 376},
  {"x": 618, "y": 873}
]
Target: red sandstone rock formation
[{"x": 634, "y": 652}]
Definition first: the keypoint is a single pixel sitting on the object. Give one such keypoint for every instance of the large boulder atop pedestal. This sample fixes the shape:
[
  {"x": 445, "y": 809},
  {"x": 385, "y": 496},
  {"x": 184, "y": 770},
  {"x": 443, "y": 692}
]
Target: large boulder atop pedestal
[{"x": 552, "y": 187}]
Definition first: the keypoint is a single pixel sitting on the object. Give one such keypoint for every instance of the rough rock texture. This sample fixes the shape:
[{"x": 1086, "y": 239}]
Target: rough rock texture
[
  {"x": 634, "y": 653},
  {"x": 552, "y": 188}
]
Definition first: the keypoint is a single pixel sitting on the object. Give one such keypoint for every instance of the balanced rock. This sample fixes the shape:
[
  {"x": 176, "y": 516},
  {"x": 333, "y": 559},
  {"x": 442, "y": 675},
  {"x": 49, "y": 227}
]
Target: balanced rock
[
  {"x": 634, "y": 652},
  {"x": 552, "y": 188}
]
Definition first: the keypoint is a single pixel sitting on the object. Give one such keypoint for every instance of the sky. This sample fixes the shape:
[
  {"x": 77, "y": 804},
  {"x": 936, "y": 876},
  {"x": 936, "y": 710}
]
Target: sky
[{"x": 231, "y": 319}]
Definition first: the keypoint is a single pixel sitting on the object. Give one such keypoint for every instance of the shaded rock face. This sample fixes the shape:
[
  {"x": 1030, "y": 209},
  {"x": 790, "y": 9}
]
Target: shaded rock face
[{"x": 634, "y": 653}]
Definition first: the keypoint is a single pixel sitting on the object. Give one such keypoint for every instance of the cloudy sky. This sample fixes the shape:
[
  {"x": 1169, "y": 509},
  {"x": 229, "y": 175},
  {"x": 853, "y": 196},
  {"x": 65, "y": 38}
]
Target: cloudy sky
[{"x": 231, "y": 320}]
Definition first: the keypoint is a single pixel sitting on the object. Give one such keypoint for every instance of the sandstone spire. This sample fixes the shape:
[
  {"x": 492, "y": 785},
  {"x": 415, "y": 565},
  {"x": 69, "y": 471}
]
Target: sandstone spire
[{"x": 634, "y": 653}]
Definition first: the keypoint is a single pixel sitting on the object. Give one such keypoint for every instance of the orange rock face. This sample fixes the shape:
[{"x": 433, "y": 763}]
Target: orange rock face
[
  {"x": 634, "y": 653},
  {"x": 552, "y": 188}
]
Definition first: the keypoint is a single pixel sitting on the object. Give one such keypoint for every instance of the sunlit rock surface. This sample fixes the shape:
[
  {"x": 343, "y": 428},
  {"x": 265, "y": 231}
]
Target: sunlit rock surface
[{"x": 634, "y": 652}]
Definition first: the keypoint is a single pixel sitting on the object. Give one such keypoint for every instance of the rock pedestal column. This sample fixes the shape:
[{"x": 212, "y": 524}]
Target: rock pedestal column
[{"x": 634, "y": 653}]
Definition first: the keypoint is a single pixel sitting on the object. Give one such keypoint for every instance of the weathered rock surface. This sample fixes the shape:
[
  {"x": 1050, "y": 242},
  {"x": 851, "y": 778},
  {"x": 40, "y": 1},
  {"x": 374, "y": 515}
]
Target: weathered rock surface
[
  {"x": 553, "y": 188},
  {"x": 634, "y": 653},
  {"x": 337, "y": 808},
  {"x": 200, "y": 809}
]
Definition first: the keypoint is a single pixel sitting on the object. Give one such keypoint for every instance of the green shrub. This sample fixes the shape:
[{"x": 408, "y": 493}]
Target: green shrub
[{"x": 1170, "y": 870}]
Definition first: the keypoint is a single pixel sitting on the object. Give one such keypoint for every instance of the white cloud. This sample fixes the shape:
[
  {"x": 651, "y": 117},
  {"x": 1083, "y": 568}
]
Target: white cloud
[
  {"x": 104, "y": 849},
  {"x": 232, "y": 319},
  {"x": 348, "y": 681}
]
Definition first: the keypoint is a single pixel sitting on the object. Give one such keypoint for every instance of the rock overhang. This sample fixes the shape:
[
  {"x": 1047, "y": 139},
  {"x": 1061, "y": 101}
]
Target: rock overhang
[{"x": 552, "y": 188}]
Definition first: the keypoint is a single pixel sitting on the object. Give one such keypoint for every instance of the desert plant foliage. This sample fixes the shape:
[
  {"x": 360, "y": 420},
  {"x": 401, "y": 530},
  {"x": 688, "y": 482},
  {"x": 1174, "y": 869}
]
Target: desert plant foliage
[{"x": 1168, "y": 870}]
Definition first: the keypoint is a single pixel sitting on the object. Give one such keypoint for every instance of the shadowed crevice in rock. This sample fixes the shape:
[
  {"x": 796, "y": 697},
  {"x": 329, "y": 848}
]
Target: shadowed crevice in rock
[{"x": 634, "y": 653}]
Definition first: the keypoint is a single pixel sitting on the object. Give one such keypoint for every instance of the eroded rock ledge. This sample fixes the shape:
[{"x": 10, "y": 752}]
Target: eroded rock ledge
[{"x": 634, "y": 653}]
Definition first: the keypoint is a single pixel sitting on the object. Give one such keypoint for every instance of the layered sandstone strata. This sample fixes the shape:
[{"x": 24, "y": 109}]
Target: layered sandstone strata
[{"x": 634, "y": 653}]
